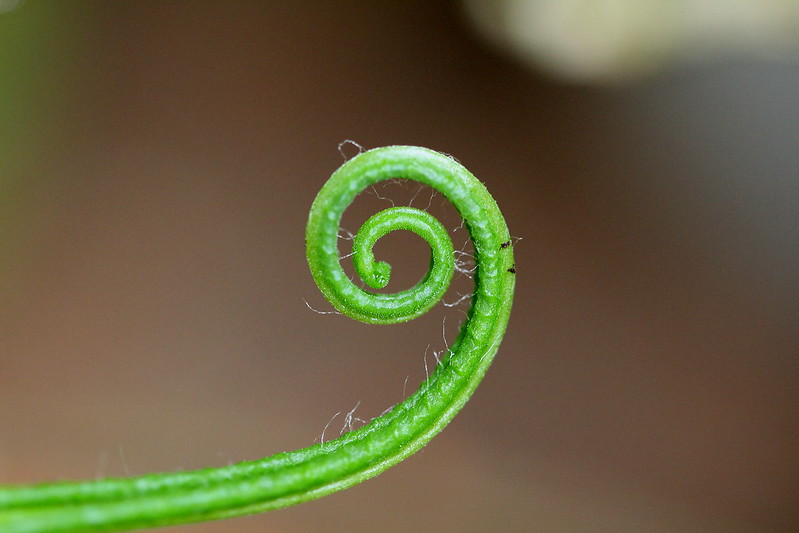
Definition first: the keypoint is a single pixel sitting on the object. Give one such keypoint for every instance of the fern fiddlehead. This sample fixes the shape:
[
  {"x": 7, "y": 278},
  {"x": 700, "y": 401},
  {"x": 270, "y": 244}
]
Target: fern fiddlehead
[{"x": 292, "y": 477}]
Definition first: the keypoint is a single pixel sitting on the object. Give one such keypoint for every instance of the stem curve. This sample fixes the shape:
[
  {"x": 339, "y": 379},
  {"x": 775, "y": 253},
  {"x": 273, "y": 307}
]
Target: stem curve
[{"x": 293, "y": 477}]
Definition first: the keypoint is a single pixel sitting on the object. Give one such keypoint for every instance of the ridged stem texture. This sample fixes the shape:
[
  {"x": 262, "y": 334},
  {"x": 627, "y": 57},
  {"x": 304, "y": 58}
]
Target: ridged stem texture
[{"x": 118, "y": 504}]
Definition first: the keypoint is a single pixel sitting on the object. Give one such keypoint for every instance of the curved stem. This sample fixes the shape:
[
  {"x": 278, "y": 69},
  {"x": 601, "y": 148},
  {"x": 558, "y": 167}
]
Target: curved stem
[{"x": 293, "y": 477}]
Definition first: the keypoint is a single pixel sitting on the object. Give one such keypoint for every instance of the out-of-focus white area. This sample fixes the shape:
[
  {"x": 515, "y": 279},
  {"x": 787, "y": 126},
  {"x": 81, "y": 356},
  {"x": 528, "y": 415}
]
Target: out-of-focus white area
[
  {"x": 615, "y": 40},
  {"x": 8, "y": 5}
]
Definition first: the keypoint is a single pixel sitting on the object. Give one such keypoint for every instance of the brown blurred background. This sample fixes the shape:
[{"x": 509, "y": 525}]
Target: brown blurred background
[{"x": 158, "y": 161}]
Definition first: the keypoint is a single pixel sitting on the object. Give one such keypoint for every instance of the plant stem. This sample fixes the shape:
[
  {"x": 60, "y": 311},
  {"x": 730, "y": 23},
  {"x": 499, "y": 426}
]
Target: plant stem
[{"x": 298, "y": 476}]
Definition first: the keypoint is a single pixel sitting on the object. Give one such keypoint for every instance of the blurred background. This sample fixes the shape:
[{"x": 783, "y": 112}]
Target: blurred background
[{"x": 157, "y": 163}]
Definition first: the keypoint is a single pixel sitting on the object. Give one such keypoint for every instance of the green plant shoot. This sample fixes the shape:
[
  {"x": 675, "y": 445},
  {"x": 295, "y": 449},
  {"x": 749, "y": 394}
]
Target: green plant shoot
[{"x": 293, "y": 477}]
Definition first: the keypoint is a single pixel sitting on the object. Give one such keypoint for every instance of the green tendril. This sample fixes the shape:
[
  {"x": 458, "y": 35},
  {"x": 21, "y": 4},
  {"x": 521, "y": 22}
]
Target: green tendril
[{"x": 289, "y": 478}]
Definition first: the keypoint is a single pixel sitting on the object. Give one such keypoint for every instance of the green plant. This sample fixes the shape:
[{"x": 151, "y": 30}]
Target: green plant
[{"x": 293, "y": 477}]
